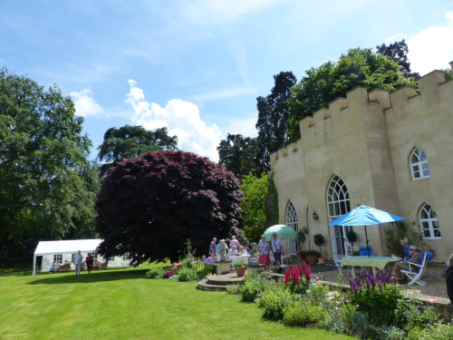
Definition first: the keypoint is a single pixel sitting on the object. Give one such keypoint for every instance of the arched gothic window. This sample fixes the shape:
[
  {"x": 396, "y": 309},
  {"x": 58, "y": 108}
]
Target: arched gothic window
[
  {"x": 338, "y": 205},
  {"x": 419, "y": 165},
  {"x": 291, "y": 221},
  {"x": 429, "y": 222}
]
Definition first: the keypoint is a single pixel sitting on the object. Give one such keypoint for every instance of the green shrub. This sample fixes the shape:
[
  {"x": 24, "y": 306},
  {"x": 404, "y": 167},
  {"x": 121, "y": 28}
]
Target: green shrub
[
  {"x": 380, "y": 305},
  {"x": 274, "y": 302},
  {"x": 435, "y": 332},
  {"x": 341, "y": 317},
  {"x": 318, "y": 293},
  {"x": 206, "y": 270},
  {"x": 238, "y": 264},
  {"x": 155, "y": 273},
  {"x": 255, "y": 284},
  {"x": 411, "y": 313},
  {"x": 233, "y": 289},
  {"x": 312, "y": 253},
  {"x": 390, "y": 333},
  {"x": 187, "y": 274},
  {"x": 303, "y": 314}
]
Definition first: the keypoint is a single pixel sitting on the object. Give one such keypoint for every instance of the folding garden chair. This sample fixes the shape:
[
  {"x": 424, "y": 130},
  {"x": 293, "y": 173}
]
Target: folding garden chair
[
  {"x": 343, "y": 271},
  {"x": 415, "y": 271}
]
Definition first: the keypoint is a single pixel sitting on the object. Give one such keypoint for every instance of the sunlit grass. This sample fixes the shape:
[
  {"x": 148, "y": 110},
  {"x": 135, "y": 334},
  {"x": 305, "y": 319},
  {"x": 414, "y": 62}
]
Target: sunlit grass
[{"x": 123, "y": 304}]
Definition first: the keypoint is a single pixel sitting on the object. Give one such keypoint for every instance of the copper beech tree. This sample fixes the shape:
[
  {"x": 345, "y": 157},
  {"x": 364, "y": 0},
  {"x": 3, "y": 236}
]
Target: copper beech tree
[{"x": 149, "y": 207}]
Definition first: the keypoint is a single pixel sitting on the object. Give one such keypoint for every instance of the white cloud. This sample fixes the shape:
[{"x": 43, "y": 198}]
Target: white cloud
[
  {"x": 432, "y": 48},
  {"x": 225, "y": 94},
  {"x": 396, "y": 37},
  {"x": 85, "y": 103},
  {"x": 182, "y": 118},
  {"x": 244, "y": 126}
]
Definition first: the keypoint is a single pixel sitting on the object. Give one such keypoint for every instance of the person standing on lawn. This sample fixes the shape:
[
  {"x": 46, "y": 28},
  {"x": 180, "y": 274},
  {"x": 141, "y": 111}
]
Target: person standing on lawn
[
  {"x": 264, "y": 249},
  {"x": 89, "y": 262},
  {"x": 277, "y": 250},
  {"x": 449, "y": 275},
  {"x": 415, "y": 256},
  {"x": 78, "y": 259}
]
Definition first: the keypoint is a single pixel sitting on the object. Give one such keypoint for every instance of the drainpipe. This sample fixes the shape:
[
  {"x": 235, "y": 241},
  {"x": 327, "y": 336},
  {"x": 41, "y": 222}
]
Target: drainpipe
[{"x": 309, "y": 230}]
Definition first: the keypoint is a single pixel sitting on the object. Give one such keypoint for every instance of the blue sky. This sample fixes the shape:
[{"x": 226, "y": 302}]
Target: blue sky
[{"x": 197, "y": 66}]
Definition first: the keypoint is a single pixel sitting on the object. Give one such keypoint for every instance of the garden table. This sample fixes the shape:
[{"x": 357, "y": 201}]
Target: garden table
[
  {"x": 244, "y": 258},
  {"x": 368, "y": 261}
]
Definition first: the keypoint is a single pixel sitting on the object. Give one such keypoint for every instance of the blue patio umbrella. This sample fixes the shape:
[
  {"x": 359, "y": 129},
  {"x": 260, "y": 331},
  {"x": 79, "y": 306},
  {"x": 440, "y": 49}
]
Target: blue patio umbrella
[{"x": 363, "y": 215}]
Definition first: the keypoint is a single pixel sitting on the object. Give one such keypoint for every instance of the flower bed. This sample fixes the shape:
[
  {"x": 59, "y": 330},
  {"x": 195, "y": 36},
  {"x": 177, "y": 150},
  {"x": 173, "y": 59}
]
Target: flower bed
[
  {"x": 374, "y": 308},
  {"x": 187, "y": 270}
]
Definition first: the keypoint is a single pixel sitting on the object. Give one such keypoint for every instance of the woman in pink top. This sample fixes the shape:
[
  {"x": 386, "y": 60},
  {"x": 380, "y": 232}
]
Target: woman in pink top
[{"x": 234, "y": 242}]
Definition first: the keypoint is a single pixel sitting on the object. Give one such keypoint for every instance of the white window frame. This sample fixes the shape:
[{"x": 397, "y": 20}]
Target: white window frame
[
  {"x": 291, "y": 221},
  {"x": 419, "y": 165},
  {"x": 429, "y": 211},
  {"x": 58, "y": 258},
  {"x": 334, "y": 201}
]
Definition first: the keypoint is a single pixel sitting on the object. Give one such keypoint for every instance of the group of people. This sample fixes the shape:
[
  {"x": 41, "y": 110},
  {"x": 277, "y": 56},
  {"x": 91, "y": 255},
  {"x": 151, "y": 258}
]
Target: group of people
[
  {"x": 78, "y": 262},
  {"x": 264, "y": 248},
  {"x": 414, "y": 254}
]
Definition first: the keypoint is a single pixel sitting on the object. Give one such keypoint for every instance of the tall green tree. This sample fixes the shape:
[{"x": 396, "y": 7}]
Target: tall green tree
[
  {"x": 131, "y": 142},
  {"x": 254, "y": 209},
  {"x": 332, "y": 80},
  {"x": 240, "y": 155},
  {"x": 398, "y": 51},
  {"x": 41, "y": 151},
  {"x": 273, "y": 114}
]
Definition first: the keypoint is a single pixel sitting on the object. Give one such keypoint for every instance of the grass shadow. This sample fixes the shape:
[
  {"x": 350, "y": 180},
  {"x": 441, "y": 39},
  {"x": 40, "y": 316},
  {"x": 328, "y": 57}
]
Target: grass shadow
[{"x": 95, "y": 277}]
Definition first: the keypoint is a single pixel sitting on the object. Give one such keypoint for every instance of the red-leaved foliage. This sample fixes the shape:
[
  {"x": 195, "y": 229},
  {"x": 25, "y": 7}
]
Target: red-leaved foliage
[{"x": 149, "y": 207}]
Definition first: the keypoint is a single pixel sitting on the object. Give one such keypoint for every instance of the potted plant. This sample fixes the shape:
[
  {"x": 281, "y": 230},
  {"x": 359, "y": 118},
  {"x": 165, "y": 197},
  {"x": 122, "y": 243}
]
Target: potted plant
[
  {"x": 312, "y": 256},
  {"x": 319, "y": 241},
  {"x": 240, "y": 268},
  {"x": 301, "y": 237},
  {"x": 352, "y": 238}
]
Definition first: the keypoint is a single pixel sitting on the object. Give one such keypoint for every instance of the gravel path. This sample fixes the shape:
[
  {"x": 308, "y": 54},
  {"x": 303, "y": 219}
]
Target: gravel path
[{"x": 433, "y": 276}]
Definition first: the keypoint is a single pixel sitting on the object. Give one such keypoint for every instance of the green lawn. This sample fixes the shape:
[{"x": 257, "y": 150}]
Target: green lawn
[{"x": 123, "y": 304}]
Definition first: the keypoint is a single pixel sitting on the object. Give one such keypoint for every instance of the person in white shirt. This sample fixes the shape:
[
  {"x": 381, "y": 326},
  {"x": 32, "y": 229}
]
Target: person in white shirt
[
  {"x": 78, "y": 259},
  {"x": 277, "y": 249}
]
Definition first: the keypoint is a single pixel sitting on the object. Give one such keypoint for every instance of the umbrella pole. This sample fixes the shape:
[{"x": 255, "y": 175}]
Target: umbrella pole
[{"x": 367, "y": 248}]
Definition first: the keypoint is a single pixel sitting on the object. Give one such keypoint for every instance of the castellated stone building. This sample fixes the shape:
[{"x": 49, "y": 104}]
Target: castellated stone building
[{"x": 388, "y": 150}]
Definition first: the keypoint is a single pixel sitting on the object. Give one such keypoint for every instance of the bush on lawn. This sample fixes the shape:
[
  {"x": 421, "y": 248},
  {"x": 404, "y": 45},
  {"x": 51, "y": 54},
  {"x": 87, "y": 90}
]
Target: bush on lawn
[
  {"x": 187, "y": 274},
  {"x": 274, "y": 302},
  {"x": 155, "y": 273},
  {"x": 255, "y": 284},
  {"x": 304, "y": 314}
]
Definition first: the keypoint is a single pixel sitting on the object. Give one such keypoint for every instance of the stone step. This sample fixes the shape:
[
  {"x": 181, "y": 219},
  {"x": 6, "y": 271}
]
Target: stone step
[
  {"x": 226, "y": 279},
  {"x": 204, "y": 285}
]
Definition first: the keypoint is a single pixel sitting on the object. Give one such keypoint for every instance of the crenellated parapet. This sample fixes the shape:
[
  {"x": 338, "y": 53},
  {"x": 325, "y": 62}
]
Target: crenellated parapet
[{"x": 347, "y": 115}]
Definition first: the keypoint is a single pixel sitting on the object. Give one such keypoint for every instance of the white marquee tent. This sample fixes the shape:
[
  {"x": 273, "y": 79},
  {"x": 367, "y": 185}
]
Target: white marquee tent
[{"x": 49, "y": 249}]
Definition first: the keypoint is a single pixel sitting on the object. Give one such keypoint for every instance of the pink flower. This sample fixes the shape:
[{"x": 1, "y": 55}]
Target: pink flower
[
  {"x": 357, "y": 306},
  {"x": 431, "y": 301}
]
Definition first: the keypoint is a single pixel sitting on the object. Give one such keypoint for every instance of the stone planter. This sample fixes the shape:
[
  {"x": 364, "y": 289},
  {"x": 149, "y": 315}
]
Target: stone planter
[
  {"x": 312, "y": 259},
  {"x": 222, "y": 267},
  {"x": 254, "y": 270},
  {"x": 240, "y": 271}
]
